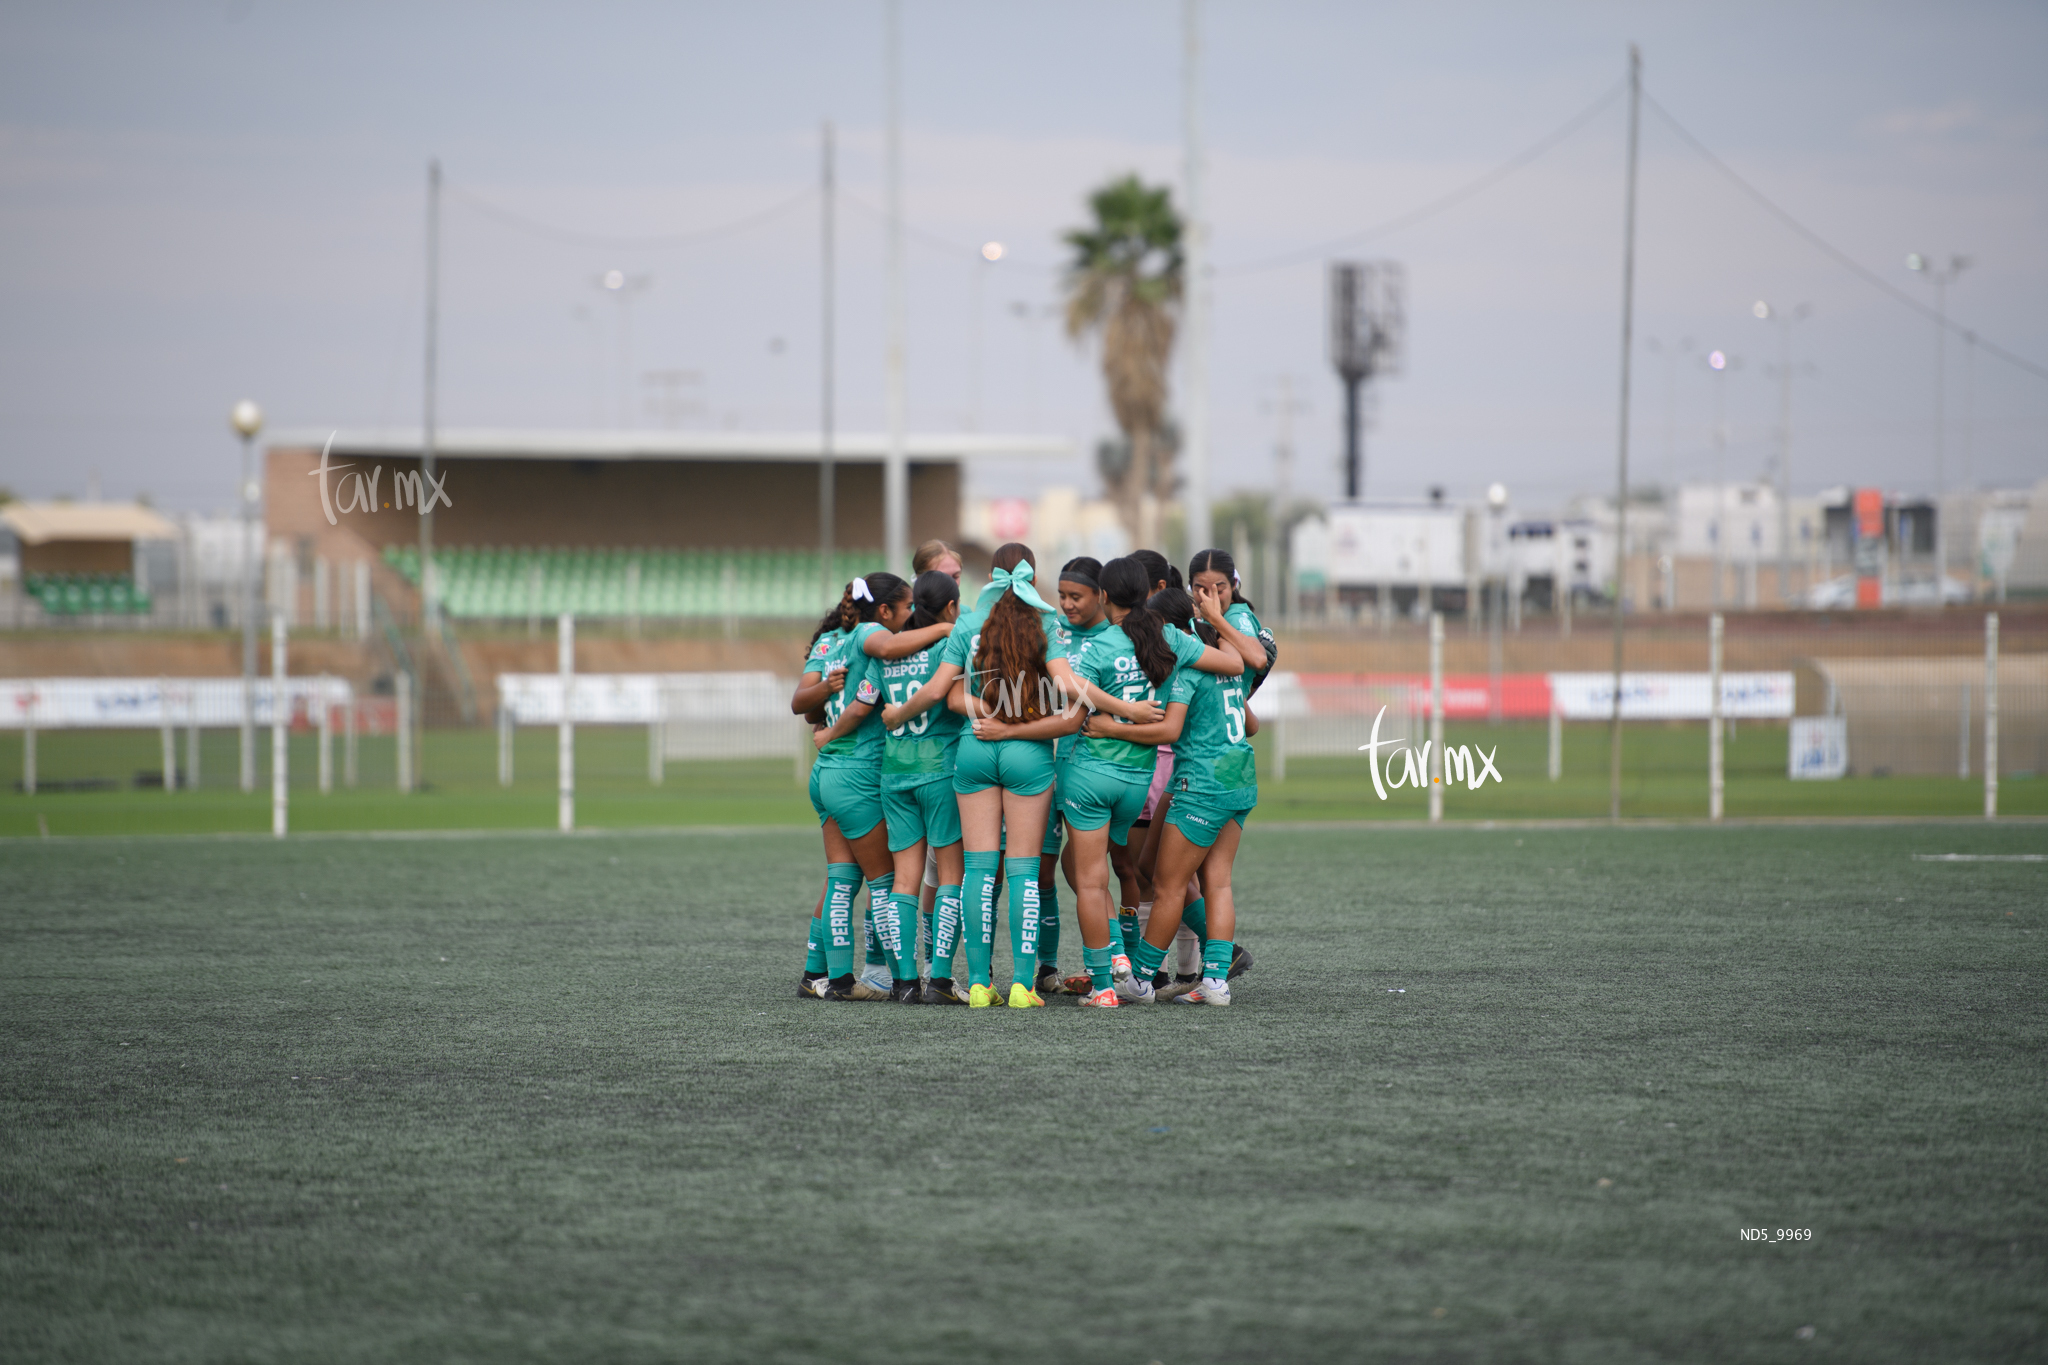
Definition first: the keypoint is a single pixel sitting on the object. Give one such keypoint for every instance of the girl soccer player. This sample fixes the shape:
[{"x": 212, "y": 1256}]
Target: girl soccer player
[
  {"x": 1215, "y": 786},
  {"x": 1012, "y": 646},
  {"x": 1105, "y": 778},
  {"x": 921, "y": 810},
  {"x": 846, "y": 786}
]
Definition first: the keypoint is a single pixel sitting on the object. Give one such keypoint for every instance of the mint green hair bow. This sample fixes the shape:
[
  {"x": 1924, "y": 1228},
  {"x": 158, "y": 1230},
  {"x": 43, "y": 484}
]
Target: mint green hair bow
[{"x": 1017, "y": 580}]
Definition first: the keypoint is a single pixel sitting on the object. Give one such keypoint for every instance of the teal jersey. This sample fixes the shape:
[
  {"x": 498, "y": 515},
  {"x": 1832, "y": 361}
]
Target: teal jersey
[
  {"x": 1212, "y": 757},
  {"x": 1109, "y": 661},
  {"x": 863, "y": 747},
  {"x": 965, "y": 641},
  {"x": 1246, "y": 620},
  {"x": 1078, "y": 638},
  {"x": 922, "y": 748}
]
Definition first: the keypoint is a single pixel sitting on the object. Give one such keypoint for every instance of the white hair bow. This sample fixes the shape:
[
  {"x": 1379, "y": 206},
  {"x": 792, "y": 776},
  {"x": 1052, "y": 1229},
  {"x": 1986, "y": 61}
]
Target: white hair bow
[{"x": 860, "y": 591}]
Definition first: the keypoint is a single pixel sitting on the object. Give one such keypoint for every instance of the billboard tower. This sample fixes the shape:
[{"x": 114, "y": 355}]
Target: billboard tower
[{"x": 1367, "y": 331}]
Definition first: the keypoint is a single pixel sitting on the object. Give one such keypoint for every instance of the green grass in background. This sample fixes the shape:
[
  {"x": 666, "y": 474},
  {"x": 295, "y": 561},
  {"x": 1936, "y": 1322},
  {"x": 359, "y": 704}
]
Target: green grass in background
[
  {"x": 1489, "y": 1095},
  {"x": 1664, "y": 776}
]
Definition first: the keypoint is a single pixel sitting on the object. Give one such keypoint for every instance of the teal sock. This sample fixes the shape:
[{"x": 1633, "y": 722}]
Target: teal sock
[
  {"x": 1194, "y": 917},
  {"x": 903, "y": 957},
  {"x": 1145, "y": 959},
  {"x": 878, "y": 901},
  {"x": 842, "y": 880},
  {"x": 878, "y": 907},
  {"x": 978, "y": 901},
  {"x": 945, "y": 930},
  {"x": 924, "y": 936},
  {"x": 1127, "y": 925},
  {"x": 1048, "y": 920},
  {"x": 1216, "y": 959},
  {"x": 814, "y": 952},
  {"x": 1022, "y": 874},
  {"x": 1096, "y": 960}
]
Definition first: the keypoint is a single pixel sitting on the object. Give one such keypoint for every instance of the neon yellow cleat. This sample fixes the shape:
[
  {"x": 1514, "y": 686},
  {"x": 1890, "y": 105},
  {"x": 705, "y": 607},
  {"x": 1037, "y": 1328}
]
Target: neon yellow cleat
[
  {"x": 1022, "y": 997},
  {"x": 981, "y": 997}
]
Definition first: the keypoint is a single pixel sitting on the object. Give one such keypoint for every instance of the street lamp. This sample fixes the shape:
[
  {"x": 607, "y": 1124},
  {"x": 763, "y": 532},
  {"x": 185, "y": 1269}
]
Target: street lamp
[
  {"x": 247, "y": 419},
  {"x": 624, "y": 287},
  {"x": 1718, "y": 365},
  {"x": 1785, "y": 318},
  {"x": 1941, "y": 277},
  {"x": 991, "y": 252}
]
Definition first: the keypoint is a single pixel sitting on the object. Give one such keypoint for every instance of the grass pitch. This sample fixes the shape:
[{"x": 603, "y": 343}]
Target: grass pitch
[{"x": 1489, "y": 1095}]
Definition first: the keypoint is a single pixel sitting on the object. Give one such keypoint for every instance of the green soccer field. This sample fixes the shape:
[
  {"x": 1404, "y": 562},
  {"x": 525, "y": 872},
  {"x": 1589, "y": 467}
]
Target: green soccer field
[
  {"x": 1488, "y": 1095},
  {"x": 1664, "y": 776}
]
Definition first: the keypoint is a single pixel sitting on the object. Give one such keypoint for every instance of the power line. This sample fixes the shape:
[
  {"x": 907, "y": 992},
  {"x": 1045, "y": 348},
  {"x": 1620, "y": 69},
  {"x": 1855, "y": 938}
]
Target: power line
[
  {"x": 605, "y": 241},
  {"x": 938, "y": 243},
  {"x": 1438, "y": 205},
  {"x": 1840, "y": 257}
]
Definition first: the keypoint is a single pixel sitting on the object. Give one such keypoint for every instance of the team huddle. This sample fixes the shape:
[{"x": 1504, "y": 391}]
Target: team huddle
[{"x": 968, "y": 751}]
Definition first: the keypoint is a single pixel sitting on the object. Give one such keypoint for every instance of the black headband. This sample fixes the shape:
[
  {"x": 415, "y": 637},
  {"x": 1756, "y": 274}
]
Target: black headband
[{"x": 1077, "y": 576}]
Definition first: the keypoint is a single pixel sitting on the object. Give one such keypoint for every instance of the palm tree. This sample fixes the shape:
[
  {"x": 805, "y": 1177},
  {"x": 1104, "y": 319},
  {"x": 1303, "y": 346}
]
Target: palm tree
[{"x": 1124, "y": 283}]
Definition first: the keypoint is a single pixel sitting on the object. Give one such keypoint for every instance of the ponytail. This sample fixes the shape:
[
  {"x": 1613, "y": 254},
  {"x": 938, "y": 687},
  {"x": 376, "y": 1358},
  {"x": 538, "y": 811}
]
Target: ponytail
[
  {"x": 1125, "y": 584},
  {"x": 1176, "y": 608}
]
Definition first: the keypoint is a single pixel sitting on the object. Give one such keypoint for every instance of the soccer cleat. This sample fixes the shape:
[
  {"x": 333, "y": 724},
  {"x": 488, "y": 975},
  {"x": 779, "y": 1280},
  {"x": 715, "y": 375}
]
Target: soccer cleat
[
  {"x": 1179, "y": 986},
  {"x": 1160, "y": 980},
  {"x": 811, "y": 987},
  {"x": 940, "y": 990},
  {"x": 876, "y": 977},
  {"x": 981, "y": 997},
  {"x": 1240, "y": 961},
  {"x": 1119, "y": 969},
  {"x": 1048, "y": 982},
  {"x": 907, "y": 993},
  {"x": 1104, "y": 999},
  {"x": 1135, "y": 991},
  {"x": 1022, "y": 997},
  {"x": 841, "y": 989},
  {"x": 1083, "y": 984},
  {"x": 1210, "y": 992}
]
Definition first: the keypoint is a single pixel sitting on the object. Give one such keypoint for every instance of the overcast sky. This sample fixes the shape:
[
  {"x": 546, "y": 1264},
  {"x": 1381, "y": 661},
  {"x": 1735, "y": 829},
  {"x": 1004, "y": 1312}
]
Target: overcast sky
[{"x": 202, "y": 202}]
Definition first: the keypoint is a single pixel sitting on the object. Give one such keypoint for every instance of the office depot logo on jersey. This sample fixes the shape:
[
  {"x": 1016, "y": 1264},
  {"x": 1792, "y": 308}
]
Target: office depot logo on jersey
[{"x": 1458, "y": 762}]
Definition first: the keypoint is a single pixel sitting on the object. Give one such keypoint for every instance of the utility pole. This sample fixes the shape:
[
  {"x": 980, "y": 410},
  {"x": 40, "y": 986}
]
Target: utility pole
[
  {"x": 1717, "y": 370},
  {"x": 1628, "y": 322},
  {"x": 1195, "y": 374},
  {"x": 1941, "y": 277},
  {"x": 827, "y": 495},
  {"x": 430, "y": 605},
  {"x": 895, "y": 466}
]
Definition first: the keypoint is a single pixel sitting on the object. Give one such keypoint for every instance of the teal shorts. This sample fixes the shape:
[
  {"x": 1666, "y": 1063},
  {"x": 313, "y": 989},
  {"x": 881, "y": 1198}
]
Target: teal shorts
[
  {"x": 927, "y": 813},
  {"x": 1023, "y": 766},
  {"x": 1201, "y": 818},
  {"x": 1049, "y": 846},
  {"x": 1093, "y": 798},
  {"x": 851, "y": 796}
]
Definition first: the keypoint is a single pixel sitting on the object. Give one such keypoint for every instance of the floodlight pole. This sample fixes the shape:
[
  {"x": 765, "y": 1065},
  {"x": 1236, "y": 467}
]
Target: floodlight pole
[
  {"x": 430, "y": 595},
  {"x": 827, "y": 494},
  {"x": 895, "y": 467},
  {"x": 1628, "y": 319},
  {"x": 1195, "y": 374}
]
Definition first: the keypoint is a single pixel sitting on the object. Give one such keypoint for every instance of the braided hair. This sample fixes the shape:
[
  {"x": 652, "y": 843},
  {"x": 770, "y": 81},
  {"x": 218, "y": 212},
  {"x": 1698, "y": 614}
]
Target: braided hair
[{"x": 882, "y": 588}]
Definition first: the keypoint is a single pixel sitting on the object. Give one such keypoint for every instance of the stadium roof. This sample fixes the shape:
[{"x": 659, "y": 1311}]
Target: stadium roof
[
  {"x": 489, "y": 443},
  {"x": 37, "y": 523}
]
